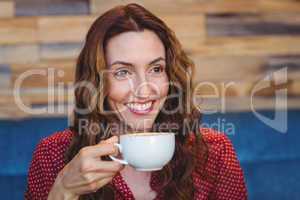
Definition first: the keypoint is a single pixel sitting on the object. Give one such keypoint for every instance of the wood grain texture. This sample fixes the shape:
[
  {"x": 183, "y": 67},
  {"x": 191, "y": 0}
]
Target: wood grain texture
[
  {"x": 70, "y": 29},
  {"x": 60, "y": 51},
  {"x": 63, "y": 28},
  {"x": 275, "y": 6},
  {"x": 19, "y": 54},
  {"x": 203, "y": 6},
  {"x": 294, "y": 89},
  {"x": 253, "y": 24},
  {"x": 180, "y": 6},
  {"x": 10, "y": 110},
  {"x": 7, "y": 9},
  {"x": 247, "y": 68},
  {"x": 31, "y": 100},
  {"x": 278, "y": 62},
  {"x": 227, "y": 68},
  {"x": 18, "y": 31},
  {"x": 42, "y": 96},
  {"x": 233, "y": 88},
  {"x": 243, "y": 104},
  {"x": 58, "y": 64},
  {"x": 5, "y": 76},
  {"x": 51, "y": 7},
  {"x": 53, "y": 29},
  {"x": 186, "y": 26},
  {"x": 57, "y": 72},
  {"x": 247, "y": 46},
  {"x": 220, "y": 89}
]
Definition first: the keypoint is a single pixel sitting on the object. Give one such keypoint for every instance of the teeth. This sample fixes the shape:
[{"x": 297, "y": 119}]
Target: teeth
[{"x": 139, "y": 106}]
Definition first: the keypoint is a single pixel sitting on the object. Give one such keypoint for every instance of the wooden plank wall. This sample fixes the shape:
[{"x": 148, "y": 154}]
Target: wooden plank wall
[
  {"x": 7, "y": 8},
  {"x": 237, "y": 41}
]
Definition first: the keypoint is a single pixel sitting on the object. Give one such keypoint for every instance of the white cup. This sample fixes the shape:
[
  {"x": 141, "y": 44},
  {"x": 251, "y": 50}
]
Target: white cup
[{"x": 146, "y": 151}]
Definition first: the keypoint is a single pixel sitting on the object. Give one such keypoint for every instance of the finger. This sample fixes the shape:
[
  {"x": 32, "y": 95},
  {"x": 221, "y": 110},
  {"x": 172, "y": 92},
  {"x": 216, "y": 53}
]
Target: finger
[
  {"x": 109, "y": 166},
  {"x": 104, "y": 181},
  {"x": 92, "y": 187},
  {"x": 113, "y": 139},
  {"x": 92, "y": 177},
  {"x": 98, "y": 150},
  {"x": 101, "y": 183},
  {"x": 102, "y": 166},
  {"x": 88, "y": 178}
]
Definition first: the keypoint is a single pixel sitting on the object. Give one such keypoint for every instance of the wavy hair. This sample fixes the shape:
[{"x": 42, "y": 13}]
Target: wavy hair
[{"x": 176, "y": 177}]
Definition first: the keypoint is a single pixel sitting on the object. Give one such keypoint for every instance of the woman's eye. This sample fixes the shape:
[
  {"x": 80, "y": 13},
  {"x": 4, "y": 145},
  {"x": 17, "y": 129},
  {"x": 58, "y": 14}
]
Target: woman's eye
[
  {"x": 121, "y": 73},
  {"x": 157, "y": 69}
]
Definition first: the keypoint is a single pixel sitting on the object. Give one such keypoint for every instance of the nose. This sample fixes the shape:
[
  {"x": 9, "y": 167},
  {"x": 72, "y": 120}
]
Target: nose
[{"x": 143, "y": 88}]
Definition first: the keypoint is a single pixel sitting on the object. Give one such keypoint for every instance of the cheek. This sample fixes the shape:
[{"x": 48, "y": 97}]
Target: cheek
[
  {"x": 163, "y": 86},
  {"x": 117, "y": 92}
]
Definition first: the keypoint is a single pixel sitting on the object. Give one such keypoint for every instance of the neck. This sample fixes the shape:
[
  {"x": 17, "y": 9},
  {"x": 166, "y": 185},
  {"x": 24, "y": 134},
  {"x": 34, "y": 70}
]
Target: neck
[{"x": 131, "y": 171}]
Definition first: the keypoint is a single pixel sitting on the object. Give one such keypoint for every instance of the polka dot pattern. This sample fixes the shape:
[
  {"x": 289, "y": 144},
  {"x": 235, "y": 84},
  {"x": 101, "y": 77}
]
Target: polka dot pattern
[{"x": 227, "y": 182}]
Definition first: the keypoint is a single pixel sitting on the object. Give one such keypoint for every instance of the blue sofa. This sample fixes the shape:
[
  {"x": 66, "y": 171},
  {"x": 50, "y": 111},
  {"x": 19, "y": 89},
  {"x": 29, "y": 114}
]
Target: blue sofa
[{"x": 270, "y": 160}]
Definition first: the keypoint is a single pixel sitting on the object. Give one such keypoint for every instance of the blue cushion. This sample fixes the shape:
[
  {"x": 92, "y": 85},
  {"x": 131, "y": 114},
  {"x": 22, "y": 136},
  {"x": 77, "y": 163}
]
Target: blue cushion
[{"x": 18, "y": 140}]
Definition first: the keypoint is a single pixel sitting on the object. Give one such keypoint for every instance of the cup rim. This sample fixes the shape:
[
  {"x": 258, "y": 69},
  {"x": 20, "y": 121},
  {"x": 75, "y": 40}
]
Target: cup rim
[{"x": 143, "y": 134}]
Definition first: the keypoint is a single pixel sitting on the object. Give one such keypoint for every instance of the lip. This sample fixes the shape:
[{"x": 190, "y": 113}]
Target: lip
[{"x": 142, "y": 112}]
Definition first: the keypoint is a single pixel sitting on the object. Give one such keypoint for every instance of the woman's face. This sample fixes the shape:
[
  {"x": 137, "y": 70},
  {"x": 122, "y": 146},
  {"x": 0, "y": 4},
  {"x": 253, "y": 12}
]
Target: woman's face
[{"x": 137, "y": 78}]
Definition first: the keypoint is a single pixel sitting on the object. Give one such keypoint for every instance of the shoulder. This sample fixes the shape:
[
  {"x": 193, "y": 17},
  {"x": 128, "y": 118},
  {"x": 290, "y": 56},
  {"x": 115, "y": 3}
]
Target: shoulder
[
  {"x": 218, "y": 142},
  {"x": 57, "y": 139},
  {"x": 214, "y": 137},
  {"x": 221, "y": 152},
  {"x": 225, "y": 173},
  {"x": 47, "y": 161},
  {"x": 52, "y": 148}
]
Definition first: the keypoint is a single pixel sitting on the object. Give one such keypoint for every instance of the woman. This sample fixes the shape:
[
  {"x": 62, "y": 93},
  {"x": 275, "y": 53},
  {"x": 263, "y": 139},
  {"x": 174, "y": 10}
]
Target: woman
[{"x": 136, "y": 76}]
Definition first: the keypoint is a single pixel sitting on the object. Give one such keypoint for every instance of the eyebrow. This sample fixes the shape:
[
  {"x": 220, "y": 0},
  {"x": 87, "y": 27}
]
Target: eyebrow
[{"x": 129, "y": 64}]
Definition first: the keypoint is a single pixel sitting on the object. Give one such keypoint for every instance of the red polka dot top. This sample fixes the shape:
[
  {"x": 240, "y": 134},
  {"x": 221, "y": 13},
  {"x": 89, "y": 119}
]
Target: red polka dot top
[{"x": 228, "y": 180}]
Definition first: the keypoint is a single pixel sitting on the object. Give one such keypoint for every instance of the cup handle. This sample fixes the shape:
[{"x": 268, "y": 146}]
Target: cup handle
[{"x": 124, "y": 162}]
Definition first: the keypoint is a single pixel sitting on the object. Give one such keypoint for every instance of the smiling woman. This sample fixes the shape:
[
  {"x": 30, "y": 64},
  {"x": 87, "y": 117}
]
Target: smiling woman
[{"x": 141, "y": 79}]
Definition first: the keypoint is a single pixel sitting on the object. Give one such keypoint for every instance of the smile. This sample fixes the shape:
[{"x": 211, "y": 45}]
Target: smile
[{"x": 140, "y": 108}]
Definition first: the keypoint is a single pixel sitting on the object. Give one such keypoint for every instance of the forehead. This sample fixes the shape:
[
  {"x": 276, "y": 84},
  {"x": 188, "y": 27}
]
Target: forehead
[{"x": 134, "y": 47}]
